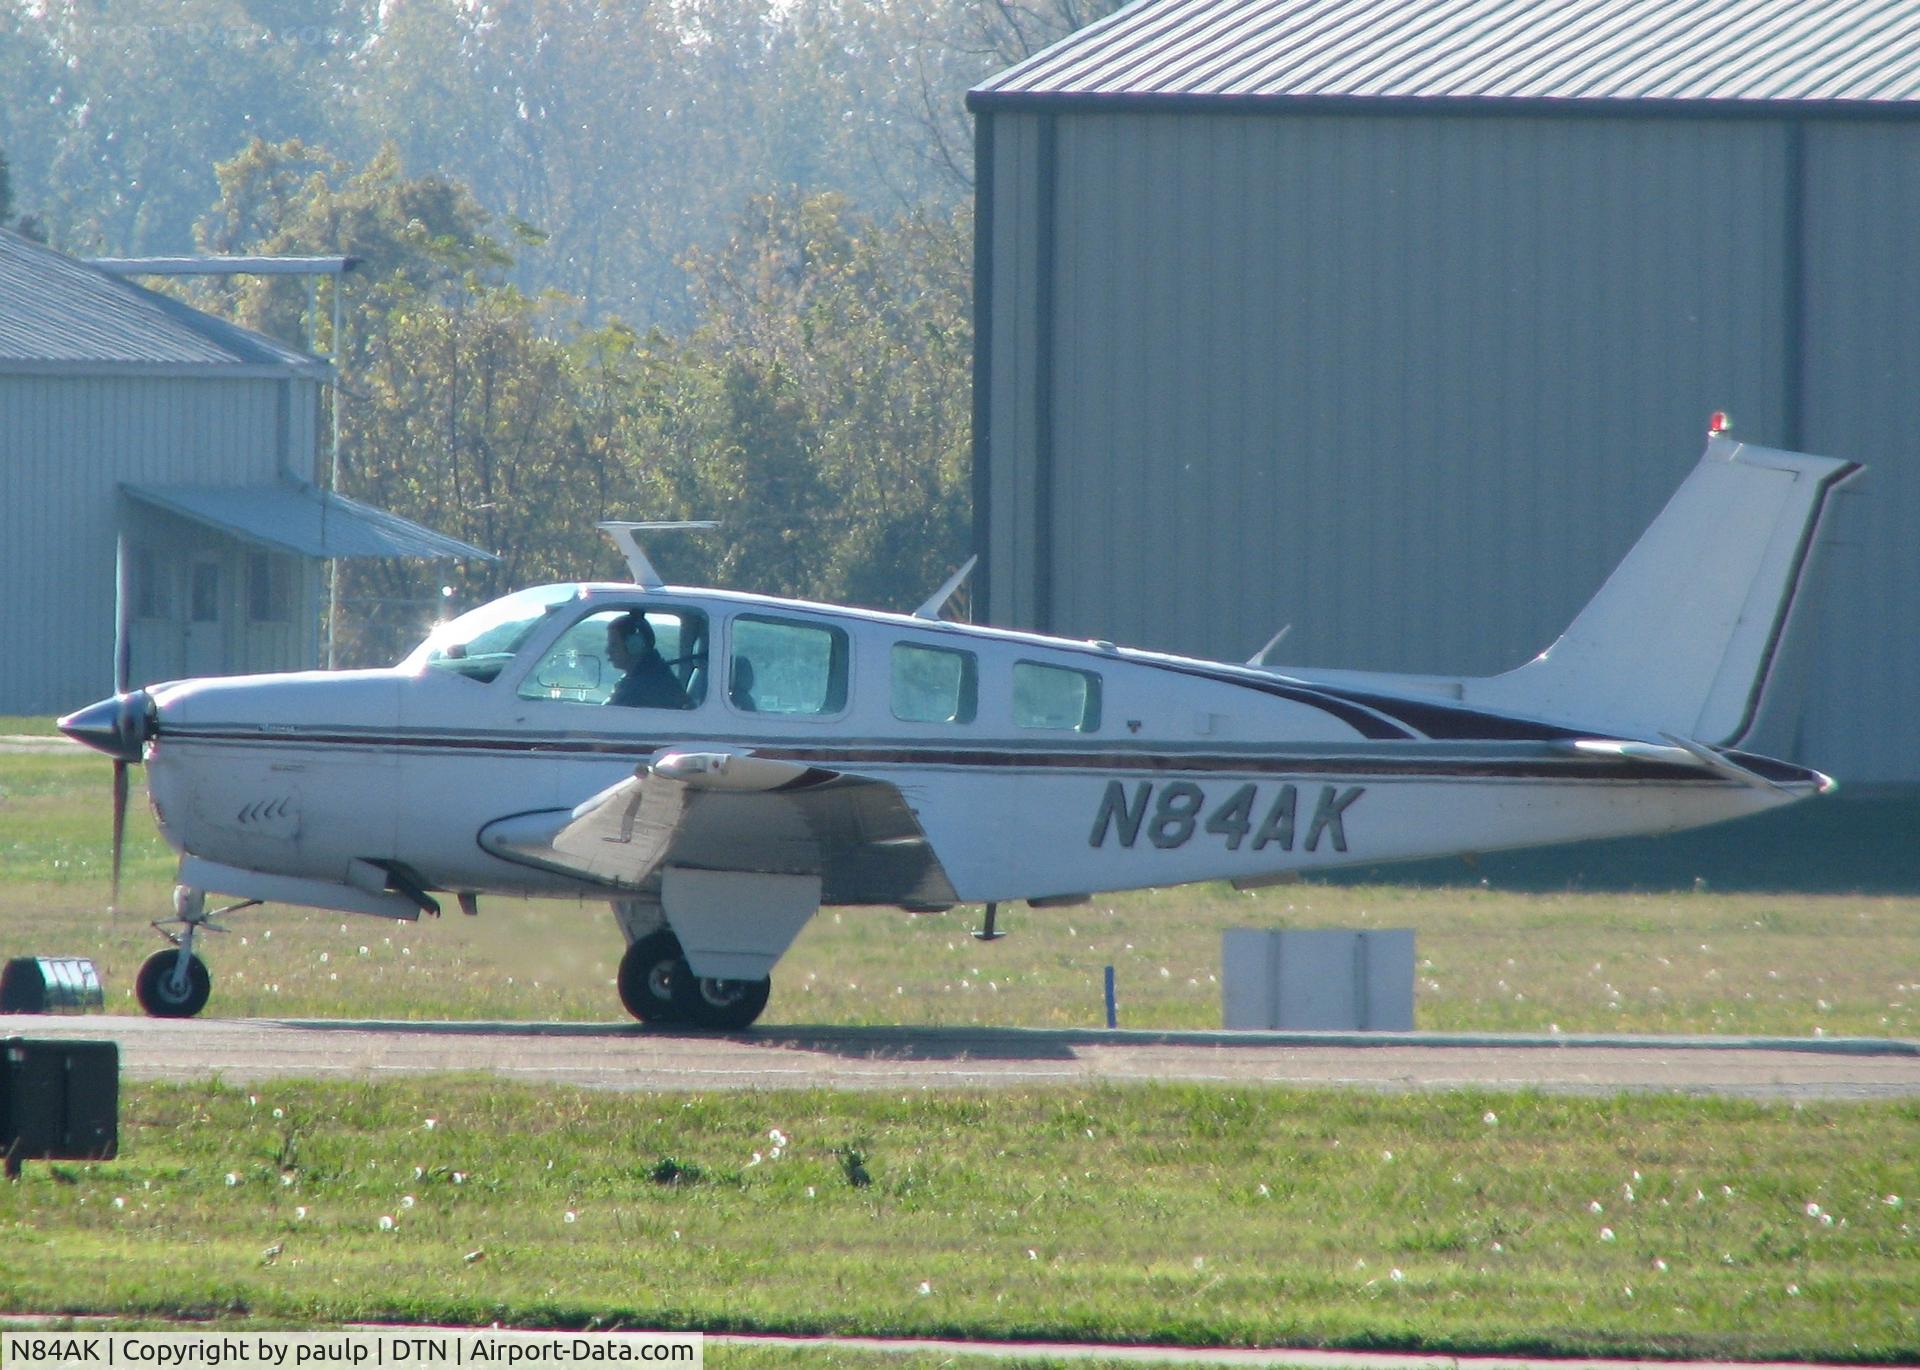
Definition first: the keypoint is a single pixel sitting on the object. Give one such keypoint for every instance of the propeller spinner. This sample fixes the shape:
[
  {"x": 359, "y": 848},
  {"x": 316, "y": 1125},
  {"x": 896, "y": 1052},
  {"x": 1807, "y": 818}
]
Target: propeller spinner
[{"x": 120, "y": 727}]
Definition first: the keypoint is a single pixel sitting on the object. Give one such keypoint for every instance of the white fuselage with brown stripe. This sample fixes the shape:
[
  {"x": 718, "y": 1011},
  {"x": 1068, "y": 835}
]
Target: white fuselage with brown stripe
[
  {"x": 719, "y": 764},
  {"x": 1190, "y": 770}
]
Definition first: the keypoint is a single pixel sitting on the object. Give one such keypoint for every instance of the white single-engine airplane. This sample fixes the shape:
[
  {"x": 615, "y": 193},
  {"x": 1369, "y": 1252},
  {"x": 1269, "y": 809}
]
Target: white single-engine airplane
[{"x": 718, "y": 765}]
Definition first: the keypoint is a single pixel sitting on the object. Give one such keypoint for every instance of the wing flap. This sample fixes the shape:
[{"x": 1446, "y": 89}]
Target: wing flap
[
  {"x": 622, "y": 835},
  {"x": 731, "y": 811}
]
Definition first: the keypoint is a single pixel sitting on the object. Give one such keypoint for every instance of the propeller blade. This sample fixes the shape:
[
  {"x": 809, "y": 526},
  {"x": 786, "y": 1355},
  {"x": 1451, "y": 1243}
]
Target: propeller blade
[
  {"x": 120, "y": 675},
  {"x": 119, "y": 829},
  {"x": 121, "y": 727}
]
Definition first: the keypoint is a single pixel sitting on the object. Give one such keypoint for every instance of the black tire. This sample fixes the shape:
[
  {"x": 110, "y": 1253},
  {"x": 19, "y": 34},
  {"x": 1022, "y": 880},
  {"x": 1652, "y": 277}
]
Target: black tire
[
  {"x": 649, "y": 971},
  {"x": 720, "y": 1005},
  {"x": 154, "y": 986}
]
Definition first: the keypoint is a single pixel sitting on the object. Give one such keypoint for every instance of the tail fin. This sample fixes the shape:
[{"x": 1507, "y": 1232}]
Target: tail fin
[{"x": 1685, "y": 635}]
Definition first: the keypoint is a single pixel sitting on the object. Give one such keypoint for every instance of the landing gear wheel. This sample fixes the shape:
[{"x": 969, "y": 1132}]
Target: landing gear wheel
[
  {"x": 719, "y": 1005},
  {"x": 159, "y": 993},
  {"x": 649, "y": 973}
]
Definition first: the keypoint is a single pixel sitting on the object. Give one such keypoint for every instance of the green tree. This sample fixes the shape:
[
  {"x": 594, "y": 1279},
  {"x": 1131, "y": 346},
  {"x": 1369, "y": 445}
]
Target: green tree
[
  {"x": 902, "y": 69},
  {"x": 30, "y": 119},
  {"x": 470, "y": 421},
  {"x": 133, "y": 101},
  {"x": 821, "y": 409},
  {"x": 461, "y": 410},
  {"x": 626, "y": 126},
  {"x": 633, "y": 130},
  {"x": 411, "y": 235}
]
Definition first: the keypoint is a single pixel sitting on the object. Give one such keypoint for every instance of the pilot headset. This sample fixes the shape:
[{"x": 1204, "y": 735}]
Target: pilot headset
[{"x": 637, "y": 632}]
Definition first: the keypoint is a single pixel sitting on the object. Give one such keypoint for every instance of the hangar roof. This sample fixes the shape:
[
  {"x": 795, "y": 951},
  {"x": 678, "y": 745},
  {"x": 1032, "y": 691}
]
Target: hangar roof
[
  {"x": 1707, "y": 54},
  {"x": 305, "y": 520},
  {"x": 59, "y": 316}
]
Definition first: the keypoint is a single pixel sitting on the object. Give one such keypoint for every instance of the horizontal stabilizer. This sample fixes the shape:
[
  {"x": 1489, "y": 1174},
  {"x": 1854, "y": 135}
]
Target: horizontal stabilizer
[{"x": 1795, "y": 781}]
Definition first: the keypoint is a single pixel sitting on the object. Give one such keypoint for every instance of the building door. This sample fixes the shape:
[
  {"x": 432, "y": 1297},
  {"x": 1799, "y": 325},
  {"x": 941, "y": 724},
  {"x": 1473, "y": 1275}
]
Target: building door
[{"x": 206, "y": 621}]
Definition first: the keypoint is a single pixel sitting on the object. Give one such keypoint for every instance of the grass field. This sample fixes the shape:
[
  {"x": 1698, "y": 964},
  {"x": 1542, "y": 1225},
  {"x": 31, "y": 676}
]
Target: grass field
[
  {"x": 1200, "y": 1215},
  {"x": 1693, "y": 962}
]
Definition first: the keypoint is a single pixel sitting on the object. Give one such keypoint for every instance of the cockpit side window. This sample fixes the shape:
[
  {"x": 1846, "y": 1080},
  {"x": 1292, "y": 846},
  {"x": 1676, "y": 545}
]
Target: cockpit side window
[{"x": 651, "y": 658}]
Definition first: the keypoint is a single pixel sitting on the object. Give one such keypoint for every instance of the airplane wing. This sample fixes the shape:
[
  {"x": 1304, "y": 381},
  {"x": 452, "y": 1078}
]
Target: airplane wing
[{"x": 733, "y": 811}]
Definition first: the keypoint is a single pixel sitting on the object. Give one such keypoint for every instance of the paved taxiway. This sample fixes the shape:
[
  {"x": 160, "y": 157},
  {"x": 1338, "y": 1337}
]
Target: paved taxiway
[{"x": 622, "y": 1056}]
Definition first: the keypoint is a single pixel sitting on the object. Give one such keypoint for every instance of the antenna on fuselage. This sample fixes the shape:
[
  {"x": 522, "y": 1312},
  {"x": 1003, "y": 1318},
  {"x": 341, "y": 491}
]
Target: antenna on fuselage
[
  {"x": 938, "y": 601},
  {"x": 1259, "y": 658},
  {"x": 623, "y": 535}
]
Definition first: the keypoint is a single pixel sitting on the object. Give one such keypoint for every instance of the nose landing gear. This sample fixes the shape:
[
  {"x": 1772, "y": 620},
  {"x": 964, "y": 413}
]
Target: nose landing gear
[{"x": 176, "y": 984}]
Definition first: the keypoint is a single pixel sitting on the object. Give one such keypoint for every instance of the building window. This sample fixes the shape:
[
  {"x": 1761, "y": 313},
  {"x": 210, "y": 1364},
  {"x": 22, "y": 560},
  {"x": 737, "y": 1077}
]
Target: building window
[
  {"x": 269, "y": 588},
  {"x": 933, "y": 684},
  {"x": 783, "y": 667},
  {"x": 152, "y": 584},
  {"x": 203, "y": 592},
  {"x": 1055, "y": 697}
]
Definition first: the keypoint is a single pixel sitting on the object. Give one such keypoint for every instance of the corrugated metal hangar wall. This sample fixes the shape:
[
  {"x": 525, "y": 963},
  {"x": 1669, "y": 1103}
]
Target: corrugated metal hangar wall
[
  {"x": 66, "y": 445},
  {"x": 1413, "y": 382}
]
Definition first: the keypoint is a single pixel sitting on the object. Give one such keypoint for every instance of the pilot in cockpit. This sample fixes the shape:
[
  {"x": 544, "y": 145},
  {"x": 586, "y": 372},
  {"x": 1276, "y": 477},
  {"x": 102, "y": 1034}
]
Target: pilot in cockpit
[{"x": 649, "y": 682}]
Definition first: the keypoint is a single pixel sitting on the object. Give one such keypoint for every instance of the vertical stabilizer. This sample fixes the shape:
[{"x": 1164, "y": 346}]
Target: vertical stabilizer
[{"x": 1686, "y": 634}]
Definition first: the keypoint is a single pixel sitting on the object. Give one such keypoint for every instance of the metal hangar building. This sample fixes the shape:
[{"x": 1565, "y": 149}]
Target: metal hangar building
[
  {"x": 160, "y": 490},
  {"x": 1398, "y": 323}
]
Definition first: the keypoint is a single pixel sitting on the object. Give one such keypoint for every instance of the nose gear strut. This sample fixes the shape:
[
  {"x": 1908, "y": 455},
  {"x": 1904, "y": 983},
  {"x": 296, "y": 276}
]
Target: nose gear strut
[{"x": 175, "y": 984}]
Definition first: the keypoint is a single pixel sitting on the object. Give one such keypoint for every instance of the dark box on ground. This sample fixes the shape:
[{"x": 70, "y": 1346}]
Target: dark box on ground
[{"x": 59, "y": 1101}]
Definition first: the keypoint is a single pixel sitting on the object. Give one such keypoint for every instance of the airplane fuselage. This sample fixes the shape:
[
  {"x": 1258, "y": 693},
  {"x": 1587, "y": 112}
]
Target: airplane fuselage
[
  {"x": 1137, "y": 770},
  {"x": 718, "y": 765}
]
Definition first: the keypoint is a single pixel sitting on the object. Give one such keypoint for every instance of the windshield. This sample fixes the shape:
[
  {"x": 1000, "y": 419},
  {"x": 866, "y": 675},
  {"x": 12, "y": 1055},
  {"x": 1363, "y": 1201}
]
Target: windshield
[{"x": 480, "y": 642}]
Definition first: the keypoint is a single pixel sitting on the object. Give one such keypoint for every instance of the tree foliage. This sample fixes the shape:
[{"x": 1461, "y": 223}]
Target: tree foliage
[
  {"x": 459, "y": 408},
  {"x": 634, "y": 131},
  {"x": 118, "y": 109},
  {"x": 749, "y": 299},
  {"x": 819, "y": 408}
]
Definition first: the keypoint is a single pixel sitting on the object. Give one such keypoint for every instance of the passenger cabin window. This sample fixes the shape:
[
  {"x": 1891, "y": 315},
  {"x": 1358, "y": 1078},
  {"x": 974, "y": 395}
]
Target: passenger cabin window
[
  {"x": 629, "y": 658},
  {"x": 934, "y": 684},
  {"x": 781, "y": 666},
  {"x": 1055, "y": 697}
]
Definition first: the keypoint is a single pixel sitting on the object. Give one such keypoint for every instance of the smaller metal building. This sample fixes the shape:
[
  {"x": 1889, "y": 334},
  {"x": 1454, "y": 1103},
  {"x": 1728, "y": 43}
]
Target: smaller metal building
[
  {"x": 158, "y": 487},
  {"x": 1398, "y": 322}
]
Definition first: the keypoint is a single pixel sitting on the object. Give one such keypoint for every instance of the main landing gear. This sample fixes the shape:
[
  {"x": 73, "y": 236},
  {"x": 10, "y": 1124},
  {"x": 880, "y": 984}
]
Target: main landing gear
[
  {"x": 661, "y": 990},
  {"x": 175, "y": 983}
]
